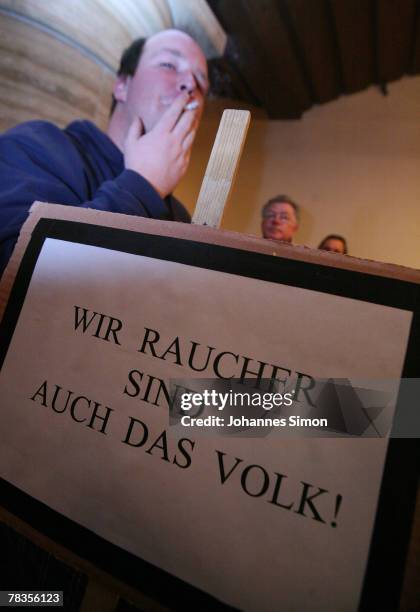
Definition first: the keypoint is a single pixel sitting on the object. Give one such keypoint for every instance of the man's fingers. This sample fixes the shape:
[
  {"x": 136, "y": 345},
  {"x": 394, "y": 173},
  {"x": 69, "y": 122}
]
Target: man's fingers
[
  {"x": 188, "y": 140},
  {"x": 170, "y": 117},
  {"x": 135, "y": 130},
  {"x": 186, "y": 123}
]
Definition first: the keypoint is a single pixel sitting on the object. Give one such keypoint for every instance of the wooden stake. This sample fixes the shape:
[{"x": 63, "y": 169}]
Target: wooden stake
[{"x": 222, "y": 167}]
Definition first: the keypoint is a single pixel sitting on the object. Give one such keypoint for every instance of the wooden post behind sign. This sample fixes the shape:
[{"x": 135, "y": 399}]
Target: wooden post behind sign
[{"x": 222, "y": 167}]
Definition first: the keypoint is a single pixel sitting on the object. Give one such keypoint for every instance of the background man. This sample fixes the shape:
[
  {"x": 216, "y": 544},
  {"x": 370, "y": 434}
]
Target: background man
[
  {"x": 280, "y": 218},
  {"x": 334, "y": 243},
  {"x": 158, "y": 101}
]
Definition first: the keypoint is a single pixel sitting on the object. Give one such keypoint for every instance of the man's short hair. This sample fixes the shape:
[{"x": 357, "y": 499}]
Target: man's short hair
[
  {"x": 281, "y": 199},
  {"x": 334, "y": 237},
  {"x": 129, "y": 62}
]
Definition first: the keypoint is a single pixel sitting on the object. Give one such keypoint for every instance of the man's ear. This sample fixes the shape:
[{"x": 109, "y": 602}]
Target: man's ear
[{"x": 121, "y": 88}]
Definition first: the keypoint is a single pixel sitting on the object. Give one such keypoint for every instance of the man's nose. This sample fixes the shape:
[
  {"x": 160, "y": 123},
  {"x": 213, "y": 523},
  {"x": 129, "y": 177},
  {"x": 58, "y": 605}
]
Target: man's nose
[{"x": 187, "y": 82}]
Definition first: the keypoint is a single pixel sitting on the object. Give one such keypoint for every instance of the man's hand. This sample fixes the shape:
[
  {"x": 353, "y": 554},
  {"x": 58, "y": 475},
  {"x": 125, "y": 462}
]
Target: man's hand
[{"x": 162, "y": 155}]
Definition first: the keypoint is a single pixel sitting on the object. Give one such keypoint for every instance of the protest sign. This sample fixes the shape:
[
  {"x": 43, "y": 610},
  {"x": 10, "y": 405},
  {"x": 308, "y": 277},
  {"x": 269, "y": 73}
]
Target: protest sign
[{"x": 101, "y": 318}]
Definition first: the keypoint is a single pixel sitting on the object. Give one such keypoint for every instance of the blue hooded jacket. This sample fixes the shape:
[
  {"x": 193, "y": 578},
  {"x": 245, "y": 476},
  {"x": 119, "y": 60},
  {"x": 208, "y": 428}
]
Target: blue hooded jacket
[{"x": 78, "y": 166}]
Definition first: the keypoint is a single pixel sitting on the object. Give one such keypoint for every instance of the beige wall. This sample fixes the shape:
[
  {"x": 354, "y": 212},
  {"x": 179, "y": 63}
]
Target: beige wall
[{"x": 352, "y": 164}]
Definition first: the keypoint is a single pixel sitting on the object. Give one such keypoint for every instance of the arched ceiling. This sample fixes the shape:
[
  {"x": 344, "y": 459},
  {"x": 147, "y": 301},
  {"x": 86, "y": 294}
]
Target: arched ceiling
[{"x": 58, "y": 59}]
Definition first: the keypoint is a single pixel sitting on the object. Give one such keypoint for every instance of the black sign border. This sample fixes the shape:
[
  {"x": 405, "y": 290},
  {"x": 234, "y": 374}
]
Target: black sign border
[{"x": 387, "y": 555}]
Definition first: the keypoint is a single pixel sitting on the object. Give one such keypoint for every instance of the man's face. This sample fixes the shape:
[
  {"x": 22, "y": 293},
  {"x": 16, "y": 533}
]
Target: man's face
[
  {"x": 334, "y": 245},
  {"x": 279, "y": 222},
  {"x": 171, "y": 62}
]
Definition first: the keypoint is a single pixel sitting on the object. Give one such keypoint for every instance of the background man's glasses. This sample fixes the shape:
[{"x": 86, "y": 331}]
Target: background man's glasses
[{"x": 281, "y": 216}]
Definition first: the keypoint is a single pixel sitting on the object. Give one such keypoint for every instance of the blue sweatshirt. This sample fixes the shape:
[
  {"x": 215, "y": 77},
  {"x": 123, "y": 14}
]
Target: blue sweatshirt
[{"x": 79, "y": 166}]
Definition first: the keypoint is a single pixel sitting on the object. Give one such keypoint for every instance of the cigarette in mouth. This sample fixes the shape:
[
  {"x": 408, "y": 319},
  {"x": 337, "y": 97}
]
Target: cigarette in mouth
[{"x": 192, "y": 105}]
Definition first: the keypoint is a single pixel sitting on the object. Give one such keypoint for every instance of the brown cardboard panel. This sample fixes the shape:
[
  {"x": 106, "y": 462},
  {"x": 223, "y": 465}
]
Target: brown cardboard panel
[{"x": 210, "y": 236}]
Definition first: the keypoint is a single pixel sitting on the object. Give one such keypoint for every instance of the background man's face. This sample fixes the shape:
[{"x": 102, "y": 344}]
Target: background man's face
[
  {"x": 333, "y": 245},
  {"x": 171, "y": 62},
  {"x": 279, "y": 222}
]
